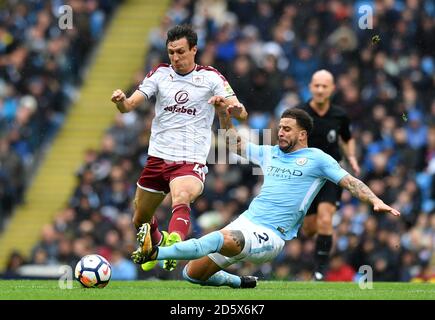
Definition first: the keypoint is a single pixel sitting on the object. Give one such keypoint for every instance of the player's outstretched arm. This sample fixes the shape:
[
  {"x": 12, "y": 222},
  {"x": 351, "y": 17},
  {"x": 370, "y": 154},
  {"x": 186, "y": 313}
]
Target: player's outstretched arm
[
  {"x": 361, "y": 191},
  {"x": 125, "y": 104}
]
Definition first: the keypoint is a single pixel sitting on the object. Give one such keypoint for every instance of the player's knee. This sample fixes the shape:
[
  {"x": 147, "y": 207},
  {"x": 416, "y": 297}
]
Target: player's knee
[
  {"x": 324, "y": 219},
  {"x": 182, "y": 197},
  {"x": 233, "y": 242},
  {"x": 324, "y": 224}
]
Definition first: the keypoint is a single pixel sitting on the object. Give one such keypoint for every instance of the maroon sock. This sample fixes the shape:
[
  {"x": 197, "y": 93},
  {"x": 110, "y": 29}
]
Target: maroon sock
[
  {"x": 180, "y": 220},
  {"x": 156, "y": 235}
]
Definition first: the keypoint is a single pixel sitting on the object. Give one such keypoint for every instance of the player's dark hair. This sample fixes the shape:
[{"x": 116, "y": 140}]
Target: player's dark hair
[
  {"x": 303, "y": 119},
  {"x": 182, "y": 31}
]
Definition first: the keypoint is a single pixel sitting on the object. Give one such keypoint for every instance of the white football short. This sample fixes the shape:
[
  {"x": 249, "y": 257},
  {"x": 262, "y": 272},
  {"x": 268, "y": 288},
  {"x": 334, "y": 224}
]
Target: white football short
[{"x": 261, "y": 244}]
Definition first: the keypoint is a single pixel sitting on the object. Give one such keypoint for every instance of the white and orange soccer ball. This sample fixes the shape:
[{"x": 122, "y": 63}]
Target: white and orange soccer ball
[{"x": 93, "y": 271}]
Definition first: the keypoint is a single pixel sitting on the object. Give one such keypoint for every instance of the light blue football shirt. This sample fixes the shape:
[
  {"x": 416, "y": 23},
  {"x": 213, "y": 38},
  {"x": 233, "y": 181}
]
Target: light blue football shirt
[{"x": 291, "y": 182}]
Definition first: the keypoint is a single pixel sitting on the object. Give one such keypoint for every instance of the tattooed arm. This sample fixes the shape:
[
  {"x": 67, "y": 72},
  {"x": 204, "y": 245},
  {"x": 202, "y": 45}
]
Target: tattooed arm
[{"x": 360, "y": 190}]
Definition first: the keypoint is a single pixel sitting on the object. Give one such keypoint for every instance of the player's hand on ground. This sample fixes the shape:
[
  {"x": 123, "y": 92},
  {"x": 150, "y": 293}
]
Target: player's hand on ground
[
  {"x": 382, "y": 207},
  {"x": 236, "y": 110},
  {"x": 118, "y": 96}
]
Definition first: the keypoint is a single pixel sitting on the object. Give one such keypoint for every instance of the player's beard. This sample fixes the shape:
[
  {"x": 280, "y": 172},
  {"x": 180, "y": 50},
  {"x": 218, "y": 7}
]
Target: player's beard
[{"x": 289, "y": 147}]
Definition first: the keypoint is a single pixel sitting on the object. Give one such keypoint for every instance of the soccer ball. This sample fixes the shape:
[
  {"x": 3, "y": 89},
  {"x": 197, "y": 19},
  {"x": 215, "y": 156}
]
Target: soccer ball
[{"x": 93, "y": 271}]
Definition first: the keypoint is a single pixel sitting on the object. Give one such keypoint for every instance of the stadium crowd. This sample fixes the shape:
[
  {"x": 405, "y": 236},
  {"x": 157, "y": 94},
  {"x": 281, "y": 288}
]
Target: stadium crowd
[
  {"x": 268, "y": 51},
  {"x": 41, "y": 67}
]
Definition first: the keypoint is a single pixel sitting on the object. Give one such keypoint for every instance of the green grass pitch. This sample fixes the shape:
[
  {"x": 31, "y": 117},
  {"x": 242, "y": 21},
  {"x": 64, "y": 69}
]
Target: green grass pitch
[{"x": 181, "y": 290}]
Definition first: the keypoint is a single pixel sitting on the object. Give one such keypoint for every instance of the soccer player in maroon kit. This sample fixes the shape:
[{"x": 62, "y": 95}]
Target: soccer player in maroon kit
[{"x": 180, "y": 137}]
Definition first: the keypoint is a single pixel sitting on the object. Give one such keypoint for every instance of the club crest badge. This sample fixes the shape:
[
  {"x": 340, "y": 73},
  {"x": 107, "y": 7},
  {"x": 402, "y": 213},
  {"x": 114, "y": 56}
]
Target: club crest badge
[
  {"x": 301, "y": 161},
  {"x": 198, "y": 80}
]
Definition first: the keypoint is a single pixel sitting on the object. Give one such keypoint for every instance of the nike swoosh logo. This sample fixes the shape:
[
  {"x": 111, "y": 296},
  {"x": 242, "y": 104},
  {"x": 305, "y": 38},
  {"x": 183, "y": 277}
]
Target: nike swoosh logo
[{"x": 105, "y": 271}]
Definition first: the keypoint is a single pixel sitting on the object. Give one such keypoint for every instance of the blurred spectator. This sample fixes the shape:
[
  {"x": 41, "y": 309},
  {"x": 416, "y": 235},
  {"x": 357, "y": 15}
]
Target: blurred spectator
[
  {"x": 292, "y": 264},
  {"x": 15, "y": 261},
  {"x": 122, "y": 268},
  {"x": 416, "y": 130},
  {"x": 65, "y": 254},
  {"x": 239, "y": 75},
  {"x": 11, "y": 180},
  {"x": 339, "y": 270},
  {"x": 40, "y": 68},
  {"x": 46, "y": 251}
]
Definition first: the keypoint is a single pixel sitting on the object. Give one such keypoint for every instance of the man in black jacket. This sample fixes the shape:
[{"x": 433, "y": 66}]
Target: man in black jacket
[{"x": 331, "y": 131}]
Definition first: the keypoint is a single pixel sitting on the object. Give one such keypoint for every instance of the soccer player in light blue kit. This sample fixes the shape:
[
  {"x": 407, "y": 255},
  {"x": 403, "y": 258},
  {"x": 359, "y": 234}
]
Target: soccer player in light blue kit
[{"x": 293, "y": 175}]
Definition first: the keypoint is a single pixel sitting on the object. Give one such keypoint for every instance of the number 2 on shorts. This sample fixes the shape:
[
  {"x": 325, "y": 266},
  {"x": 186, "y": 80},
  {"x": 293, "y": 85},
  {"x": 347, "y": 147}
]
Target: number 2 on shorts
[{"x": 261, "y": 237}]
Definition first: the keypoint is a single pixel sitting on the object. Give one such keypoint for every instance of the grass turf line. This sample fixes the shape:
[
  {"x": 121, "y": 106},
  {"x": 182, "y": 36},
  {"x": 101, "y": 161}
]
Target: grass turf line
[{"x": 181, "y": 290}]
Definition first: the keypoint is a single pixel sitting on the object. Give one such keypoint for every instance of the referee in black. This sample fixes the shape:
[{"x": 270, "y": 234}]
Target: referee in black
[{"x": 330, "y": 132}]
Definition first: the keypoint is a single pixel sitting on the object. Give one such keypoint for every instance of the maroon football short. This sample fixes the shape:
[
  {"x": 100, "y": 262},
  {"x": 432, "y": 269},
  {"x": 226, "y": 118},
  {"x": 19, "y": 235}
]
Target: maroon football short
[{"x": 158, "y": 173}]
